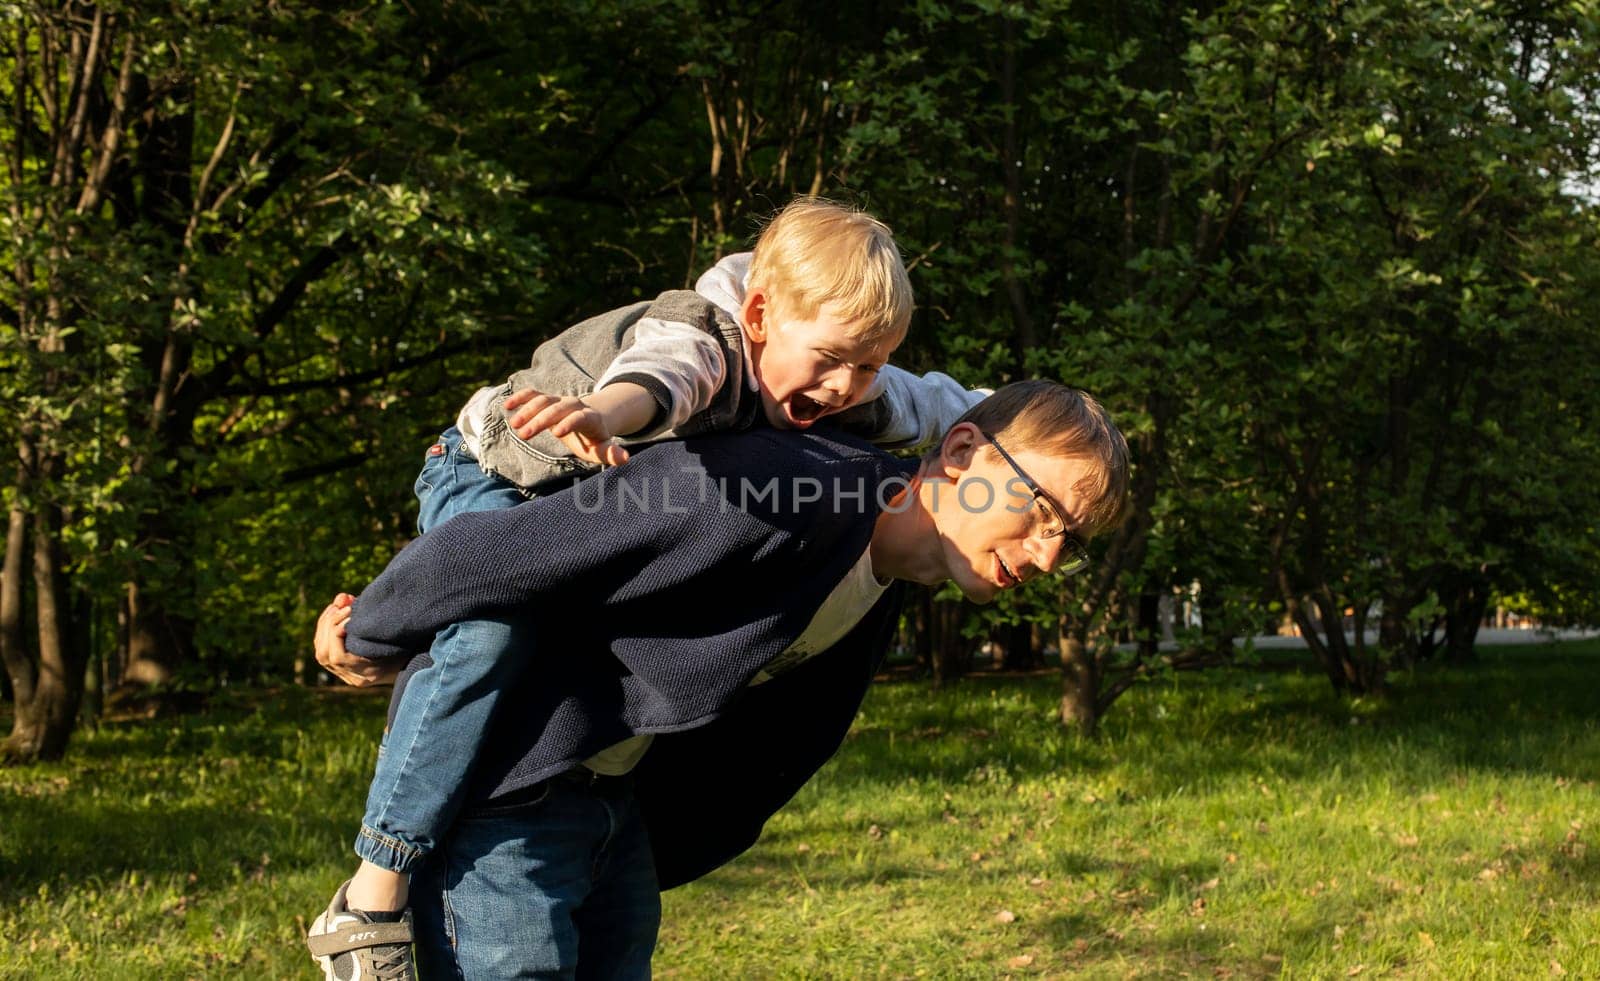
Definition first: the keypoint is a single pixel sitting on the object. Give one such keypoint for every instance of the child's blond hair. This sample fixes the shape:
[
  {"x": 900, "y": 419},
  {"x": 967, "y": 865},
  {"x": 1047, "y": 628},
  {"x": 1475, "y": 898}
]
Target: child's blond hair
[{"x": 816, "y": 252}]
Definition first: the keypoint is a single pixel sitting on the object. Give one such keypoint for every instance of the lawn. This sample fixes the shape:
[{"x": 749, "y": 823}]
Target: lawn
[{"x": 1235, "y": 824}]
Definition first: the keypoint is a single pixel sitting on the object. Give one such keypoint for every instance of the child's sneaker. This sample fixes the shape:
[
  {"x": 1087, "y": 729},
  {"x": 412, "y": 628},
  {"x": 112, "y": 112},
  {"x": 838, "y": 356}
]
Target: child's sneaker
[{"x": 350, "y": 946}]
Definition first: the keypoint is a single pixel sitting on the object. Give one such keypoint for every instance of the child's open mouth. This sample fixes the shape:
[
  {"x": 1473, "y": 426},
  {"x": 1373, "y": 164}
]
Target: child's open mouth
[{"x": 805, "y": 410}]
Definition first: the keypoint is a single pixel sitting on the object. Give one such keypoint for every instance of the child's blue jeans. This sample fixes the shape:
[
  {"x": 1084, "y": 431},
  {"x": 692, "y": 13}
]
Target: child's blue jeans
[{"x": 445, "y": 707}]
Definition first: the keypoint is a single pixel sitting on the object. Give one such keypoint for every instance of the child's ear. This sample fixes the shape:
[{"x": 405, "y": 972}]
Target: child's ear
[{"x": 753, "y": 315}]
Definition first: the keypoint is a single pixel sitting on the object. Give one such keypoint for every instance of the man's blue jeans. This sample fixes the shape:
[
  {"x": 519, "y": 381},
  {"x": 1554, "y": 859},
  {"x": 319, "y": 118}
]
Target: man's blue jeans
[{"x": 562, "y": 886}]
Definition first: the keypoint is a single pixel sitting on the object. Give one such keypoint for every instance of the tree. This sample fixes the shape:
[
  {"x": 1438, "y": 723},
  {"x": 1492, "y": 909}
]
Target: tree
[
  {"x": 1317, "y": 260},
  {"x": 1186, "y": 211},
  {"x": 1424, "y": 263},
  {"x": 181, "y": 197}
]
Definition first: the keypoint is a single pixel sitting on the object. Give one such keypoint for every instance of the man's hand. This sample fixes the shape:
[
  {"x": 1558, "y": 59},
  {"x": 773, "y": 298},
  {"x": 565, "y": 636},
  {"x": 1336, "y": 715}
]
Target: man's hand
[
  {"x": 572, "y": 420},
  {"x": 361, "y": 672}
]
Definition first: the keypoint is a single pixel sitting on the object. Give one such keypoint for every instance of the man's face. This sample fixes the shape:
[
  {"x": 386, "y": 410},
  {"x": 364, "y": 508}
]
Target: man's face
[
  {"x": 988, "y": 523},
  {"x": 808, "y": 368}
]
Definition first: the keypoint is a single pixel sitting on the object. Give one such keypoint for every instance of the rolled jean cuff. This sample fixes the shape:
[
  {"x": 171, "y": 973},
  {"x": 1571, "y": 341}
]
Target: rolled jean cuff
[{"x": 386, "y": 851}]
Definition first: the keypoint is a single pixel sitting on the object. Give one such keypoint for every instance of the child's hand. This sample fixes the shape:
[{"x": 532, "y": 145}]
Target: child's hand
[
  {"x": 581, "y": 426},
  {"x": 329, "y": 643}
]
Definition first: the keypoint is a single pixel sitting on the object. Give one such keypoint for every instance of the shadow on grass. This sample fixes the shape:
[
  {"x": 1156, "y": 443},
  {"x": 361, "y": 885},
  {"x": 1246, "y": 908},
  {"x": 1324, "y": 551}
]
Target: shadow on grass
[
  {"x": 107, "y": 842},
  {"x": 1203, "y": 951},
  {"x": 1518, "y": 711},
  {"x": 217, "y": 795},
  {"x": 1076, "y": 932}
]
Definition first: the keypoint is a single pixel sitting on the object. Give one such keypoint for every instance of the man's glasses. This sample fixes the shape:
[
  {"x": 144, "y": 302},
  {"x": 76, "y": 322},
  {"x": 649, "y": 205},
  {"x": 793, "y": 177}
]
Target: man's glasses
[{"x": 1047, "y": 520}]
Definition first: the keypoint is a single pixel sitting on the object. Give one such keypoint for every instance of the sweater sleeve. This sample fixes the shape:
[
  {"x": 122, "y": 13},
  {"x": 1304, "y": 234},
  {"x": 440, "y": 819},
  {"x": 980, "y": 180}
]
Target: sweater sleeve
[
  {"x": 657, "y": 532},
  {"x": 627, "y": 530}
]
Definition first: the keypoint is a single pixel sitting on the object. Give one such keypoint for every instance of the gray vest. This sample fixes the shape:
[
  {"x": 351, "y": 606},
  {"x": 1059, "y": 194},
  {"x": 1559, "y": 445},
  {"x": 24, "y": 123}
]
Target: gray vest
[{"x": 571, "y": 362}]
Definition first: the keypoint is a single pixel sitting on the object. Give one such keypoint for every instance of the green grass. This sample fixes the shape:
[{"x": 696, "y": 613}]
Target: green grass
[{"x": 1236, "y": 824}]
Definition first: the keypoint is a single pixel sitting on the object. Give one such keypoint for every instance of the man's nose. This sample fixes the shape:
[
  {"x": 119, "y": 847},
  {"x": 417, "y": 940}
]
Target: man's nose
[{"x": 1046, "y": 552}]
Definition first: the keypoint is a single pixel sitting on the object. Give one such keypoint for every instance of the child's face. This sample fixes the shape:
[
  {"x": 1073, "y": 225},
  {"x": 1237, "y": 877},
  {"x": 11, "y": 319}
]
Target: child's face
[{"x": 808, "y": 369}]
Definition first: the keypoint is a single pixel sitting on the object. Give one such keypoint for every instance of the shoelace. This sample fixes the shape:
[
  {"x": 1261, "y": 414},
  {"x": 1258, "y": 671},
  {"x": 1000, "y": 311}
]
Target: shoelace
[{"x": 390, "y": 966}]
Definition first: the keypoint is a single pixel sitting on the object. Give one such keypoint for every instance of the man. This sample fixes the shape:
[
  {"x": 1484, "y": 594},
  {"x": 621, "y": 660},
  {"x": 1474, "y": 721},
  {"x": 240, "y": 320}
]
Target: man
[{"x": 686, "y": 640}]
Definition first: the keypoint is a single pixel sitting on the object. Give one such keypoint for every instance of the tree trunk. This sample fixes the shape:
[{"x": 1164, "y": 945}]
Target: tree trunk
[
  {"x": 20, "y": 667},
  {"x": 1371, "y": 676},
  {"x": 1364, "y": 664},
  {"x": 1080, "y": 685},
  {"x": 1330, "y": 617},
  {"x": 1462, "y": 619},
  {"x": 84, "y": 640},
  {"x": 1017, "y": 649},
  {"x": 161, "y": 590},
  {"x": 1214, "y": 625},
  {"x": 1394, "y": 634},
  {"x": 922, "y": 627},
  {"x": 302, "y": 674},
  {"x": 1024, "y": 335},
  {"x": 44, "y": 723},
  {"x": 118, "y": 666},
  {"x": 1148, "y": 633},
  {"x": 160, "y": 594},
  {"x": 158, "y": 639},
  {"x": 1326, "y": 650},
  {"x": 950, "y": 660}
]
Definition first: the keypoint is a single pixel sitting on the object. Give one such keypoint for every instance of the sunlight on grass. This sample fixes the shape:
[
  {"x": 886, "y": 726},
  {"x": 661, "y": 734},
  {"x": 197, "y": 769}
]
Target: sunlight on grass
[{"x": 1238, "y": 824}]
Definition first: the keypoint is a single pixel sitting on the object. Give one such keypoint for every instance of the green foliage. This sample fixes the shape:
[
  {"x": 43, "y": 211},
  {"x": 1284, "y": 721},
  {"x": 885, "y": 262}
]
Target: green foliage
[
  {"x": 1332, "y": 268},
  {"x": 1320, "y": 264}
]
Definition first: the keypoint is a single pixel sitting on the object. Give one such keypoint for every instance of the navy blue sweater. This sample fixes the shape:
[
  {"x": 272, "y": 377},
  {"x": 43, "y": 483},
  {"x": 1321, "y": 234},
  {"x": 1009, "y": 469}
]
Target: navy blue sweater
[{"x": 654, "y": 592}]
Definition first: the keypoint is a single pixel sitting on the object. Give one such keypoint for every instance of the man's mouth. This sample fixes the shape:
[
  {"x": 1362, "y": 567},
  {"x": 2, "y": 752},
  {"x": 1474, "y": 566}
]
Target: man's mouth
[{"x": 1007, "y": 577}]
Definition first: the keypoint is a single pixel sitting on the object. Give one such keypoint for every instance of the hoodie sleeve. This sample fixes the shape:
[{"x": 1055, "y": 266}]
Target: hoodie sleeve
[
  {"x": 679, "y": 364},
  {"x": 906, "y": 411}
]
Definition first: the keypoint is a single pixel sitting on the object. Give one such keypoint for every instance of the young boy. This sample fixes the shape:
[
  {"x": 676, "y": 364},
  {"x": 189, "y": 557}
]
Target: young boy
[{"x": 799, "y": 330}]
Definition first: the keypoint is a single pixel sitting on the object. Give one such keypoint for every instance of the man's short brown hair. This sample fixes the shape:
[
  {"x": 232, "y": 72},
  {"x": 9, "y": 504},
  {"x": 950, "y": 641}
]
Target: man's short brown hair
[{"x": 1051, "y": 418}]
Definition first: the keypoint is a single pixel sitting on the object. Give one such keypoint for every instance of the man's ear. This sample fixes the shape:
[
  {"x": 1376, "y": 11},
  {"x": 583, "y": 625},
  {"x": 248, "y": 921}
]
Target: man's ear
[
  {"x": 957, "y": 449},
  {"x": 753, "y": 315}
]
